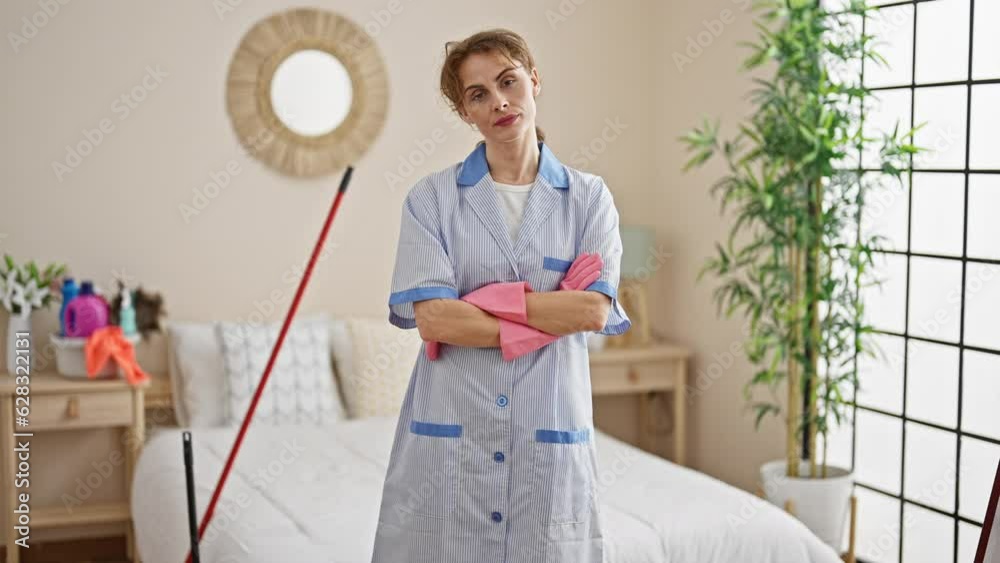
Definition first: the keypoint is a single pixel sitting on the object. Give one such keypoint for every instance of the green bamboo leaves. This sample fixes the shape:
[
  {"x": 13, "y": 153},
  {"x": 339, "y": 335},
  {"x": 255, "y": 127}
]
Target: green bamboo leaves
[{"x": 795, "y": 259}]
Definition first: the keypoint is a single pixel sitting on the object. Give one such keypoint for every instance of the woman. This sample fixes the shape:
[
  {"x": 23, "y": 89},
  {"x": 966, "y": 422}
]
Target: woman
[{"x": 505, "y": 262}]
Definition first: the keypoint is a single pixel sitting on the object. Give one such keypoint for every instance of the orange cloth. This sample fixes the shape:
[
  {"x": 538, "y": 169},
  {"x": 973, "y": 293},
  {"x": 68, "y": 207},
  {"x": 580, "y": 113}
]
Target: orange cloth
[{"x": 109, "y": 343}]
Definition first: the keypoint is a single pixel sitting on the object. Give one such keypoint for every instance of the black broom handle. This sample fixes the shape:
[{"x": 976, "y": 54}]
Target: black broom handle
[{"x": 192, "y": 509}]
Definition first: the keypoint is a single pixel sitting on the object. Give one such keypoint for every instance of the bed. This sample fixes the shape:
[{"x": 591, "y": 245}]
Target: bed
[{"x": 311, "y": 493}]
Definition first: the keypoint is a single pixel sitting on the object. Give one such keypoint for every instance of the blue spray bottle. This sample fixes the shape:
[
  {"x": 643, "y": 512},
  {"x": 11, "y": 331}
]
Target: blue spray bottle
[{"x": 69, "y": 291}]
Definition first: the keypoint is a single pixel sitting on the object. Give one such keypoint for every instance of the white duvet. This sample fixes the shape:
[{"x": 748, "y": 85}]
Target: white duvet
[{"x": 311, "y": 494}]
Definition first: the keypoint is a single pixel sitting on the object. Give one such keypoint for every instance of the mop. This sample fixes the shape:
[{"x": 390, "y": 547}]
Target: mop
[{"x": 260, "y": 388}]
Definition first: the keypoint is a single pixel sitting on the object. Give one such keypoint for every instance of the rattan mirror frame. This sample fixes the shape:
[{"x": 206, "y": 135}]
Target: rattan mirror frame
[{"x": 248, "y": 91}]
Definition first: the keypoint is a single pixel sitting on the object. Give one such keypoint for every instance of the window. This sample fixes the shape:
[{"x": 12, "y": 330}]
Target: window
[{"x": 925, "y": 439}]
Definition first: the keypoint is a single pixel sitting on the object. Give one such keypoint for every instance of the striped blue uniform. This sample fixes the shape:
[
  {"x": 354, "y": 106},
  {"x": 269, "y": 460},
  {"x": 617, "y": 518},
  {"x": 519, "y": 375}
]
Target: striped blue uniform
[{"x": 494, "y": 461}]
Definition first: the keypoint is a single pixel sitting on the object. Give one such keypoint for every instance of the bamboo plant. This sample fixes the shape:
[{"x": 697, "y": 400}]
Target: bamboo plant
[{"x": 795, "y": 258}]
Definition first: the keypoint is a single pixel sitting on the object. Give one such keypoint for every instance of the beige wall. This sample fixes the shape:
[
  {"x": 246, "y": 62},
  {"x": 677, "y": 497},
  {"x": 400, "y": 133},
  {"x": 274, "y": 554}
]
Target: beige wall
[
  {"x": 705, "y": 82},
  {"x": 119, "y": 209}
]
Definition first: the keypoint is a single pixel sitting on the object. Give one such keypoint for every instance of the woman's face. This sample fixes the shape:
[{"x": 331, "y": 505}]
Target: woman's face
[{"x": 498, "y": 96}]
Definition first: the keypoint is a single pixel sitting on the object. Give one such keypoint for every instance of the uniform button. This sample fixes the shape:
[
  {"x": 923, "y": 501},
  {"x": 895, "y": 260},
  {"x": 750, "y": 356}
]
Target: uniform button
[
  {"x": 498, "y": 457},
  {"x": 497, "y": 517},
  {"x": 502, "y": 400}
]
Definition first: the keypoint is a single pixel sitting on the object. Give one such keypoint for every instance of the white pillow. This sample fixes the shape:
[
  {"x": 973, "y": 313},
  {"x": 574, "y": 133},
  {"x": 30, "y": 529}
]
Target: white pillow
[
  {"x": 374, "y": 361},
  {"x": 301, "y": 387},
  {"x": 196, "y": 372}
]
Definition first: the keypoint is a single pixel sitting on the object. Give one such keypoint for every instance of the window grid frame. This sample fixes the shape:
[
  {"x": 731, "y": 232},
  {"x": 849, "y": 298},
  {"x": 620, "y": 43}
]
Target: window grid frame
[{"x": 957, "y": 432}]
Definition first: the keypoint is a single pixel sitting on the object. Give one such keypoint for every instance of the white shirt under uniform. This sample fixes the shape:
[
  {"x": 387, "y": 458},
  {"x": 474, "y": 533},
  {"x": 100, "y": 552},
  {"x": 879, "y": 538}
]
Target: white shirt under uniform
[{"x": 513, "y": 199}]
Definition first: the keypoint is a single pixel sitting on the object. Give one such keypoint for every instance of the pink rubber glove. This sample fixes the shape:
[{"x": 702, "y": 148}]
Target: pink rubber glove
[
  {"x": 517, "y": 339},
  {"x": 585, "y": 270},
  {"x": 502, "y": 300},
  {"x": 433, "y": 350},
  {"x": 507, "y": 302}
]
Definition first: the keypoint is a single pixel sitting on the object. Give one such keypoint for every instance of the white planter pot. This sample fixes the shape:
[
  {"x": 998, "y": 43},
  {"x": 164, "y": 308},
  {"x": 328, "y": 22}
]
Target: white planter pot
[
  {"x": 822, "y": 504},
  {"x": 15, "y": 324},
  {"x": 71, "y": 358}
]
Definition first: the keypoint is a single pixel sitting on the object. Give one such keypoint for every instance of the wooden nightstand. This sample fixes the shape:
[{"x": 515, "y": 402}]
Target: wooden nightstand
[
  {"x": 61, "y": 403},
  {"x": 646, "y": 372}
]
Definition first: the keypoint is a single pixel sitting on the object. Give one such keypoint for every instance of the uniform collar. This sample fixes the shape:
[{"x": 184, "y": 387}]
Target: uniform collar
[{"x": 549, "y": 167}]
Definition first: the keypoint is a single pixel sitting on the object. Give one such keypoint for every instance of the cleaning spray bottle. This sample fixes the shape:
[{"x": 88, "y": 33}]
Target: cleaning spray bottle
[
  {"x": 86, "y": 313},
  {"x": 69, "y": 291},
  {"x": 126, "y": 314}
]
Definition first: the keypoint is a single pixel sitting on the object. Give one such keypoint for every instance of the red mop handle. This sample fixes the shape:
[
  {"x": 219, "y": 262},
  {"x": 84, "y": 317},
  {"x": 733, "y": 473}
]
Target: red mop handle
[{"x": 274, "y": 354}]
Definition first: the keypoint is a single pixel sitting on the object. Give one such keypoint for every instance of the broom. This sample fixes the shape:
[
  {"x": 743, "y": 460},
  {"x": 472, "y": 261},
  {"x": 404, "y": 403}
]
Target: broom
[{"x": 263, "y": 380}]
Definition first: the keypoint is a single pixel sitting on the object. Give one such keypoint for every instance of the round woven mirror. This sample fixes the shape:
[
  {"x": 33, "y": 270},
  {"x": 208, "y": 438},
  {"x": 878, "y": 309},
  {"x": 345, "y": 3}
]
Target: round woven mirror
[{"x": 307, "y": 92}]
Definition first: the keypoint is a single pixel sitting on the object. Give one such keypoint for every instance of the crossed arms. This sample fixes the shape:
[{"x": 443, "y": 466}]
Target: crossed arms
[{"x": 452, "y": 321}]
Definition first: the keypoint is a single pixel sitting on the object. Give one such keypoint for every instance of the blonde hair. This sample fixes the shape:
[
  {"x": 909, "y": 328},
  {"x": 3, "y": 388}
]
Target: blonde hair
[{"x": 503, "y": 41}]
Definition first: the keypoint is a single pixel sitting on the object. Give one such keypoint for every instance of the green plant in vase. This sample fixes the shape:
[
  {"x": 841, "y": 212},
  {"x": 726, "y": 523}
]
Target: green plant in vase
[
  {"x": 25, "y": 288},
  {"x": 795, "y": 260}
]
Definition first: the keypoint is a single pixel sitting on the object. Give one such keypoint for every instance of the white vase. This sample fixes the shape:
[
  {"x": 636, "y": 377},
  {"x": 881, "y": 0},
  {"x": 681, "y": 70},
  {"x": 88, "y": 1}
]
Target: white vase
[
  {"x": 822, "y": 504},
  {"x": 16, "y": 324}
]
